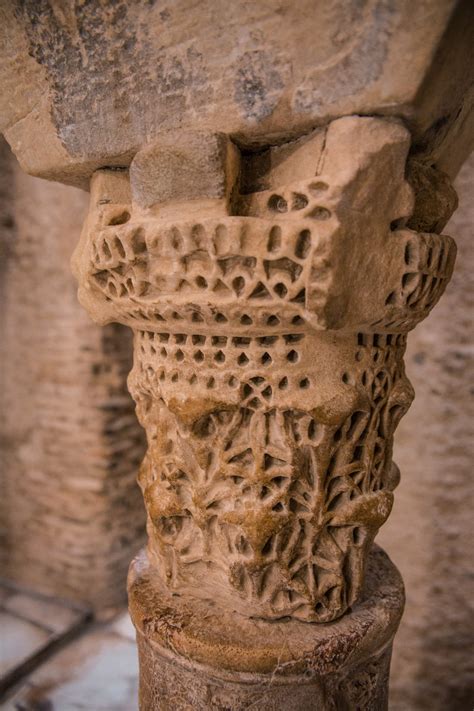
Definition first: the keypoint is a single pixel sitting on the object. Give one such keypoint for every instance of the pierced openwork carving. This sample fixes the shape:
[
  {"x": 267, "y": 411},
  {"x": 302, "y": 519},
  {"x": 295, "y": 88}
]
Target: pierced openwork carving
[{"x": 270, "y": 328}]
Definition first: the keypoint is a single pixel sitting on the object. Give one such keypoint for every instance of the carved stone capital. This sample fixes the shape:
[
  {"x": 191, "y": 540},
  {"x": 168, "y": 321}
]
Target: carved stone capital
[{"x": 270, "y": 296}]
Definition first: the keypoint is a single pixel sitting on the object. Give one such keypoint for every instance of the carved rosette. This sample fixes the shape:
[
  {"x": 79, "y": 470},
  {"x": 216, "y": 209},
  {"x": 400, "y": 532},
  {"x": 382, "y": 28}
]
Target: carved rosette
[{"x": 270, "y": 313}]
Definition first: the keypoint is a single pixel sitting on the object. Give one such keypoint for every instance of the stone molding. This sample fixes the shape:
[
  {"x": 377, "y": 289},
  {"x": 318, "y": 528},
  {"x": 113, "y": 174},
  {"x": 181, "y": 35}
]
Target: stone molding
[{"x": 193, "y": 654}]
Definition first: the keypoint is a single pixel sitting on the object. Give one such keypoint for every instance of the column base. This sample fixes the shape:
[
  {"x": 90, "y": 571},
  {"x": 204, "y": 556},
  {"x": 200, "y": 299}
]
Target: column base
[{"x": 195, "y": 655}]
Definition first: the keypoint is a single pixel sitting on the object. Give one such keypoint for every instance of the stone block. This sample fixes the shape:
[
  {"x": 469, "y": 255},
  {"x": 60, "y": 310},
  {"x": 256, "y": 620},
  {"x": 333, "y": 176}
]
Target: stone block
[{"x": 182, "y": 166}]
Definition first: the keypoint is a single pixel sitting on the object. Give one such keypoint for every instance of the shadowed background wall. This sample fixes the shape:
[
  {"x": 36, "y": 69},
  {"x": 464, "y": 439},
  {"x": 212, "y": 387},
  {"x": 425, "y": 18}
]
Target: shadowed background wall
[
  {"x": 429, "y": 534},
  {"x": 72, "y": 515}
]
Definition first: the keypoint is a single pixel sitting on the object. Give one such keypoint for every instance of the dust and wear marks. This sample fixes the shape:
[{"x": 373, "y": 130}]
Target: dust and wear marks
[
  {"x": 87, "y": 82},
  {"x": 258, "y": 85},
  {"x": 351, "y": 71}
]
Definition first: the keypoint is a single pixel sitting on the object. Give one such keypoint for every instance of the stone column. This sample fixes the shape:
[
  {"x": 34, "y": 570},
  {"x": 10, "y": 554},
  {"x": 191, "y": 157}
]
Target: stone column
[
  {"x": 270, "y": 257},
  {"x": 270, "y": 296}
]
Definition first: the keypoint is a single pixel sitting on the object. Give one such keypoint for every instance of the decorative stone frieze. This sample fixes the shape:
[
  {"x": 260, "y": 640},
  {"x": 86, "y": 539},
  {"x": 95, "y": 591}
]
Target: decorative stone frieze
[{"x": 270, "y": 295}]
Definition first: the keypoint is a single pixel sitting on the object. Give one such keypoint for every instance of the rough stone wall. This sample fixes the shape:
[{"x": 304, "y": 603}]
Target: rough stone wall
[
  {"x": 70, "y": 446},
  {"x": 430, "y": 532}
]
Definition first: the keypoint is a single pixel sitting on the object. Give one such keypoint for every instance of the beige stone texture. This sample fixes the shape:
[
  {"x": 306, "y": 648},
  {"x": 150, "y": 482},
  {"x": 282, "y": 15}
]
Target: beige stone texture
[
  {"x": 256, "y": 218},
  {"x": 185, "y": 165},
  {"x": 71, "y": 512},
  {"x": 258, "y": 499},
  {"x": 216, "y": 301},
  {"x": 430, "y": 532},
  {"x": 102, "y": 80}
]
